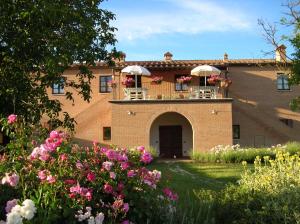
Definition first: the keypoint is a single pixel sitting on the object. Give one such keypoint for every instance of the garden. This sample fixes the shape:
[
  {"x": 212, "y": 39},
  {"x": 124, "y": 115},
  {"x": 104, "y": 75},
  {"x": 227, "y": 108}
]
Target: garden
[{"x": 45, "y": 178}]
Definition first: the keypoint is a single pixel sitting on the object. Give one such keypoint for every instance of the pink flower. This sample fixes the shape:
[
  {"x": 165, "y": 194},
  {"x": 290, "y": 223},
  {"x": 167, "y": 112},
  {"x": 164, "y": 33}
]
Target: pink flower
[
  {"x": 51, "y": 179},
  {"x": 140, "y": 148},
  {"x": 126, "y": 207},
  {"x": 125, "y": 222},
  {"x": 12, "y": 179},
  {"x": 35, "y": 153},
  {"x": 118, "y": 204},
  {"x": 63, "y": 157},
  {"x": 89, "y": 195},
  {"x": 107, "y": 165},
  {"x": 171, "y": 195},
  {"x": 75, "y": 189},
  {"x": 12, "y": 118},
  {"x": 54, "y": 134},
  {"x": 91, "y": 177},
  {"x": 107, "y": 188},
  {"x": 112, "y": 175},
  {"x": 124, "y": 165},
  {"x": 79, "y": 165},
  {"x": 146, "y": 157},
  {"x": 10, "y": 204},
  {"x": 70, "y": 181},
  {"x": 43, "y": 174},
  {"x": 120, "y": 186},
  {"x": 111, "y": 154},
  {"x": 131, "y": 173}
]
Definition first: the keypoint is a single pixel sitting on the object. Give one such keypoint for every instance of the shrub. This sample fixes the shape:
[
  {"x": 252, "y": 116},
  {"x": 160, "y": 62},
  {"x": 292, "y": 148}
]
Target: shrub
[
  {"x": 66, "y": 183},
  {"x": 235, "y": 154},
  {"x": 270, "y": 194}
]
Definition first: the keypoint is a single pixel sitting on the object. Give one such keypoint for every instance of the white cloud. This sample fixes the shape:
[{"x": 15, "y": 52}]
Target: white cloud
[{"x": 181, "y": 16}]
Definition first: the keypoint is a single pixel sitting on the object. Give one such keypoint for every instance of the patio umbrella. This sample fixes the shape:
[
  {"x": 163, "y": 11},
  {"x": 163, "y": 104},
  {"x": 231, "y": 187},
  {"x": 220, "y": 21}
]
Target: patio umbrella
[
  {"x": 136, "y": 70},
  {"x": 205, "y": 70}
]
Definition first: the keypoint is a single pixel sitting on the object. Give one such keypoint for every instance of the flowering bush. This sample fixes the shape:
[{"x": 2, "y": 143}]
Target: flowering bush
[
  {"x": 184, "y": 79},
  {"x": 214, "y": 79},
  {"x": 128, "y": 81},
  {"x": 157, "y": 79},
  {"x": 67, "y": 183}
]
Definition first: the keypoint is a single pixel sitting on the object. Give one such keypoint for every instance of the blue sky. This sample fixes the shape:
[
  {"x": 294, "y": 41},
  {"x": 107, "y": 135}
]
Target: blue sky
[{"x": 193, "y": 29}]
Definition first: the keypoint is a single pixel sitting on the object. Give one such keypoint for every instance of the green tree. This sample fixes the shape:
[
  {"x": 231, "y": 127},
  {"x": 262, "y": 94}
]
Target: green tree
[
  {"x": 39, "y": 40},
  {"x": 271, "y": 32}
]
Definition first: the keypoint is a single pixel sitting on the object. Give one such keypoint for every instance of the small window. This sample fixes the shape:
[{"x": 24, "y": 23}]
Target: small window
[
  {"x": 287, "y": 122},
  {"x": 236, "y": 131},
  {"x": 58, "y": 88},
  {"x": 104, "y": 84},
  {"x": 282, "y": 82},
  {"x": 180, "y": 86},
  {"x": 106, "y": 133}
]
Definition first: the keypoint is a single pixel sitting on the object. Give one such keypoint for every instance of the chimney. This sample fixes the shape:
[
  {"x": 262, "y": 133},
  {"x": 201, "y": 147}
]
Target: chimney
[
  {"x": 280, "y": 54},
  {"x": 225, "y": 58},
  {"x": 168, "y": 56},
  {"x": 121, "y": 57}
]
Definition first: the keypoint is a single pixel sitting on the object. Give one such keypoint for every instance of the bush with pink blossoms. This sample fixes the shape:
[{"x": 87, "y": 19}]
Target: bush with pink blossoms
[{"x": 72, "y": 184}]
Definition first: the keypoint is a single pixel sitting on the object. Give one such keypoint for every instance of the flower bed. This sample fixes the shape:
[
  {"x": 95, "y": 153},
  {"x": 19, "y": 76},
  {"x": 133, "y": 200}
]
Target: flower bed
[{"x": 63, "y": 183}]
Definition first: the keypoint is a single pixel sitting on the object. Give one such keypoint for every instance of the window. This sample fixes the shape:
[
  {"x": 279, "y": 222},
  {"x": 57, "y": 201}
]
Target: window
[
  {"x": 202, "y": 81},
  {"x": 58, "y": 88},
  {"x": 180, "y": 86},
  {"x": 236, "y": 131},
  {"x": 106, "y": 133},
  {"x": 287, "y": 122},
  {"x": 104, "y": 84},
  {"x": 282, "y": 82}
]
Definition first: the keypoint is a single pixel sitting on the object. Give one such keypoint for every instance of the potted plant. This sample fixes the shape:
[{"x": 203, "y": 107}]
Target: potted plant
[
  {"x": 159, "y": 96},
  {"x": 184, "y": 79},
  {"x": 128, "y": 82},
  {"x": 157, "y": 79},
  {"x": 214, "y": 79}
]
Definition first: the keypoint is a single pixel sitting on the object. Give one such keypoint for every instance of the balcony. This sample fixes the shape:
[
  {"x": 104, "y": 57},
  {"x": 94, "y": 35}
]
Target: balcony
[{"x": 151, "y": 91}]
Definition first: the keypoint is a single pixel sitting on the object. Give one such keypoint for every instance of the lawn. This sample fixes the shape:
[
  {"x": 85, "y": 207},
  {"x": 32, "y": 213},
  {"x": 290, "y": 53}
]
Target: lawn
[{"x": 187, "y": 177}]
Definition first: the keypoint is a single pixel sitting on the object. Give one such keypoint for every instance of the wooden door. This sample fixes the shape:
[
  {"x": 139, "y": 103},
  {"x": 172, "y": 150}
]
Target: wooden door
[{"x": 170, "y": 141}]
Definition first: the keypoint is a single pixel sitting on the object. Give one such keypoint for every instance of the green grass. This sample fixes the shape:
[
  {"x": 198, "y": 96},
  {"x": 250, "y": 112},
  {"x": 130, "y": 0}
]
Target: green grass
[
  {"x": 191, "y": 180},
  {"x": 187, "y": 177}
]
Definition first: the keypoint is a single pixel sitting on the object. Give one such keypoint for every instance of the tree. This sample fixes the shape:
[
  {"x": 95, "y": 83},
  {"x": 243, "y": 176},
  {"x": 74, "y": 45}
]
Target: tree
[
  {"x": 291, "y": 19},
  {"x": 39, "y": 40}
]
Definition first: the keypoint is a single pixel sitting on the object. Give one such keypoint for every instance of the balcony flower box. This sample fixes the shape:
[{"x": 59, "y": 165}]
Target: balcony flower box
[
  {"x": 157, "y": 79},
  {"x": 214, "y": 79},
  {"x": 184, "y": 79}
]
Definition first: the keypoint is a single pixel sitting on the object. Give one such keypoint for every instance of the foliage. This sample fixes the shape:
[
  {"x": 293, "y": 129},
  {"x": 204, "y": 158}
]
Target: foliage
[
  {"x": 270, "y": 194},
  {"x": 235, "y": 154},
  {"x": 39, "y": 40},
  {"x": 68, "y": 183}
]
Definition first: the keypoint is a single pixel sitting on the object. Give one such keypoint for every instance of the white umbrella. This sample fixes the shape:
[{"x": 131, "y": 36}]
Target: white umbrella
[
  {"x": 205, "y": 70},
  {"x": 136, "y": 70}
]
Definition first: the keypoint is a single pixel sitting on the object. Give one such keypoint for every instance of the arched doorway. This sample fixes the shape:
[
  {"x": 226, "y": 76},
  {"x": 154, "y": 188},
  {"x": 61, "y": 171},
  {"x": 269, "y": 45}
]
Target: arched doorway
[{"x": 171, "y": 134}]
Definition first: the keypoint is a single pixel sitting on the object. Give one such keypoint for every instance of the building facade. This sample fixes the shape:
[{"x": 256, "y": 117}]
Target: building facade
[{"x": 178, "y": 117}]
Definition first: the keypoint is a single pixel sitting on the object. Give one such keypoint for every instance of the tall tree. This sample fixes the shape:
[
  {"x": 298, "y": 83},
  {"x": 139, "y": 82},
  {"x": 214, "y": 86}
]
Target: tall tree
[
  {"x": 39, "y": 40},
  {"x": 291, "y": 19}
]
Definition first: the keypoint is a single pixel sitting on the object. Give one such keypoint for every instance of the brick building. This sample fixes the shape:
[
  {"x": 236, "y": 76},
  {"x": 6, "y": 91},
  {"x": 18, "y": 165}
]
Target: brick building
[{"x": 176, "y": 118}]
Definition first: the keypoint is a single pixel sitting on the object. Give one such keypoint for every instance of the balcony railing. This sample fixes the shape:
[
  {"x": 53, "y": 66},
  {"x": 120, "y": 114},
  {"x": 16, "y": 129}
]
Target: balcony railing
[{"x": 157, "y": 92}]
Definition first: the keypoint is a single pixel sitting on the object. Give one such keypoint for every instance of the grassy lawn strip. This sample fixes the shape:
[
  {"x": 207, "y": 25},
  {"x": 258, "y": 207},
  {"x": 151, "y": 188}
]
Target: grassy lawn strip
[{"x": 187, "y": 177}]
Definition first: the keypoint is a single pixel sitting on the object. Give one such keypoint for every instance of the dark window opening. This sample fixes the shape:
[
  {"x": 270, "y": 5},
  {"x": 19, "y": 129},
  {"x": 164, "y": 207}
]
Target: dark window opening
[
  {"x": 106, "y": 133},
  {"x": 58, "y": 88},
  {"x": 104, "y": 84},
  {"x": 180, "y": 86},
  {"x": 287, "y": 122},
  {"x": 236, "y": 131},
  {"x": 202, "y": 81},
  {"x": 282, "y": 82}
]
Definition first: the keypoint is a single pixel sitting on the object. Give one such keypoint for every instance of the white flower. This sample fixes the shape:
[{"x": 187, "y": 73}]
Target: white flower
[
  {"x": 14, "y": 218},
  {"x": 28, "y": 209},
  {"x": 91, "y": 220},
  {"x": 99, "y": 218}
]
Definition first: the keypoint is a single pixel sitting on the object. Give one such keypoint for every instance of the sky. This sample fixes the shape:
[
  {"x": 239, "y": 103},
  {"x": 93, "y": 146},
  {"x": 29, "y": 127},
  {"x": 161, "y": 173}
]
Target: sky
[{"x": 193, "y": 29}]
